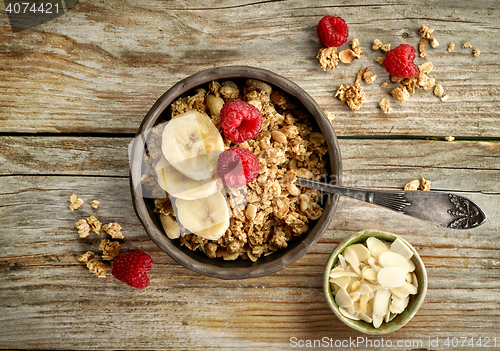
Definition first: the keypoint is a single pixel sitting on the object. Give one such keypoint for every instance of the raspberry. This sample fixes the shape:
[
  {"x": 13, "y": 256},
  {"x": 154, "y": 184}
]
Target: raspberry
[
  {"x": 237, "y": 167},
  {"x": 240, "y": 121},
  {"x": 132, "y": 267},
  {"x": 399, "y": 61},
  {"x": 332, "y": 31}
]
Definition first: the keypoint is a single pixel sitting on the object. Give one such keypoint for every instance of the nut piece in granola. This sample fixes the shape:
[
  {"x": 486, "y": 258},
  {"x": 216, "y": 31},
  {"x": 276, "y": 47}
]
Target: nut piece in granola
[
  {"x": 476, "y": 52},
  {"x": 425, "y": 32},
  {"x": 451, "y": 47},
  {"x": 95, "y": 204},
  {"x": 347, "y": 55},
  {"x": 83, "y": 228},
  {"x": 385, "y": 105},
  {"x": 438, "y": 91},
  {"x": 170, "y": 226},
  {"x": 95, "y": 224},
  {"x": 356, "y": 46},
  {"x": 86, "y": 256},
  {"x": 328, "y": 58},
  {"x": 377, "y": 44},
  {"x": 110, "y": 249},
  {"x": 425, "y": 184},
  {"x": 421, "y": 49},
  {"x": 433, "y": 41},
  {"x": 113, "y": 229},
  {"x": 400, "y": 94},
  {"x": 74, "y": 202},
  {"x": 98, "y": 268},
  {"x": 413, "y": 185},
  {"x": 426, "y": 67},
  {"x": 369, "y": 77}
]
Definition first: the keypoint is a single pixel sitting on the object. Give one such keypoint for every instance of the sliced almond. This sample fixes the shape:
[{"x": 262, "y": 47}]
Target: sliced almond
[
  {"x": 342, "y": 299},
  {"x": 376, "y": 246},
  {"x": 347, "y": 55},
  {"x": 392, "y": 277},
  {"x": 401, "y": 248},
  {"x": 393, "y": 259}
]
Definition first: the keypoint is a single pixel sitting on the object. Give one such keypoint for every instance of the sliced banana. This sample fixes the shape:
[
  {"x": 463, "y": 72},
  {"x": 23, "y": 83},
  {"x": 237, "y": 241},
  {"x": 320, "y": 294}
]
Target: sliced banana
[
  {"x": 179, "y": 186},
  {"x": 191, "y": 143},
  {"x": 207, "y": 217}
]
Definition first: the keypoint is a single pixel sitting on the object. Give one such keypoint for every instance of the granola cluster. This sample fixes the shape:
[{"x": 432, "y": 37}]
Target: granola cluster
[
  {"x": 270, "y": 211},
  {"x": 109, "y": 249},
  {"x": 423, "y": 184}
]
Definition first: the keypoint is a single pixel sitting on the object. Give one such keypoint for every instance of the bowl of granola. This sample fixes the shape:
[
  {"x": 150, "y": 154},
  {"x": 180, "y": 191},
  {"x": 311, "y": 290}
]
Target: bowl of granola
[{"x": 213, "y": 171}]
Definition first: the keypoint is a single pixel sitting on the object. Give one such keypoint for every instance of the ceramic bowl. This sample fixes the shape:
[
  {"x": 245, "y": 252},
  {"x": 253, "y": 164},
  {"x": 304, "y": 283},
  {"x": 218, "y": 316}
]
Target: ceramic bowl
[
  {"x": 415, "y": 300},
  {"x": 195, "y": 260}
]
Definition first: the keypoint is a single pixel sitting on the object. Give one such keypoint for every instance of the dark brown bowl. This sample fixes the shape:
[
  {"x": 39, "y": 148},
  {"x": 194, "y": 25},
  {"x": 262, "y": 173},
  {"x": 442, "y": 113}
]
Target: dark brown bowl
[{"x": 195, "y": 260}]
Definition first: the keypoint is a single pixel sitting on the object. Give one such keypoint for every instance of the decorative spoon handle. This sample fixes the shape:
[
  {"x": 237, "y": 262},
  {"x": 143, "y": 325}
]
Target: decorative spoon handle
[{"x": 444, "y": 209}]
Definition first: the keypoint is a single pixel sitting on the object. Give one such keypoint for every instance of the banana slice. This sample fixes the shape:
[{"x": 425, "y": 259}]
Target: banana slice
[
  {"x": 207, "y": 217},
  {"x": 179, "y": 186},
  {"x": 191, "y": 143}
]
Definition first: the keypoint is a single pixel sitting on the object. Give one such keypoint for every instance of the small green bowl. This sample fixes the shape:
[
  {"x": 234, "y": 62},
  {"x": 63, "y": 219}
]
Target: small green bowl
[{"x": 415, "y": 300}]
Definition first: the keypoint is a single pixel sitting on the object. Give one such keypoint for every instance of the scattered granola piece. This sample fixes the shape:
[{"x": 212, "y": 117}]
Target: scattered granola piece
[
  {"x": 410, "y": 84},
  {"x": 356, "y": 47},
  {"x": 380, "y": 60},
  {"x": 328, "y": 58},
  {"x": 359, "y": 75},
  {"x": 83, "y": 228},
  {"x": 98, "y": 268},
  {"x": 347, "y": 55},
  {"x": 445, "y": 98},
  {"x": 386, "y": 47},
  {"x": 74, "y": 202},
  {"x": 451, "y": 47},
  {"x": 426, "y": 67},
  {"x": 396, "y": 80},
  {"x": 353, "y": 95},
  {"x": 421, "y": 49},
  {"x": 95, "y": 204},
  {"x": 438, "y": 90},
  {"x": 95, "y": 224},
  {"x": 476, "y": 52},
  {"x": 110, "y": 249},
  {"x": 433, "y": 41},
  {"x": 400, "y": 94},
  {"x": 86, "y": 256},
  {"x": 425, "y": 82},
  {"x": 329, "y": 115},
  {"x": 113, "y": 229},
  {"x": 425, "y": 32},
  {"x": 385, "y": 105},
  {"x": 369, "y": 77},
  {"x": 466, "y": 45},
  {"x": 384, "y": 84},
  {"x": 413, "y": 185},
  {"x": 425, "y": 184},
  {"x": 376, "y": 44},
  {"x": 449, "y": 138}
]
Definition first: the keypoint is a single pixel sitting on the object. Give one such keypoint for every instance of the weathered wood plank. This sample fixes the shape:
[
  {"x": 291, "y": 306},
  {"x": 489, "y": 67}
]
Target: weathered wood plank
[
  {"x": 45, "y": 290},
  {"x": 459, "y": 166},
  {"x": 100, "y": 67}
]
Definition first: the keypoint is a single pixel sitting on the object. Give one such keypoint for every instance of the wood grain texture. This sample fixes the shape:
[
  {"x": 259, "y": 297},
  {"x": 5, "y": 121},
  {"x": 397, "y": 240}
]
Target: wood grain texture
[{"x": 100, "y": 67}]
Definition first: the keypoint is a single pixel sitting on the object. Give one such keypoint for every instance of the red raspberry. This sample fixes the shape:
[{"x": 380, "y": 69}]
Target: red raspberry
[
  {"x": 332, "y": 31},
  {"x": 132, "y": 267},
  {"x": 237, "y": 167},
  {"x": 399, "y": 61},
  {"x": 240, "y": 121}
]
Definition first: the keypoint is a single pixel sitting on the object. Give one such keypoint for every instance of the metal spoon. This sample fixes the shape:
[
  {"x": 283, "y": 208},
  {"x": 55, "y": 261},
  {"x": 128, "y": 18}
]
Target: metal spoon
[{"x": 444, "y": 209}]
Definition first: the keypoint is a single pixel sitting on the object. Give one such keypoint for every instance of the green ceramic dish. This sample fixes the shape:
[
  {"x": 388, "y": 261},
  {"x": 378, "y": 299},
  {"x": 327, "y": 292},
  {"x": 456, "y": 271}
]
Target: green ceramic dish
[{"x": 415, "y": 300}]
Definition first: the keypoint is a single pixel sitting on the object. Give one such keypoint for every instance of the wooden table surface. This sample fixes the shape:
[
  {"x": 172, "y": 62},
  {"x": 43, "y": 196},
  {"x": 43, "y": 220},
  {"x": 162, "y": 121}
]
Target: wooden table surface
[{"x": 74, "y": 90}]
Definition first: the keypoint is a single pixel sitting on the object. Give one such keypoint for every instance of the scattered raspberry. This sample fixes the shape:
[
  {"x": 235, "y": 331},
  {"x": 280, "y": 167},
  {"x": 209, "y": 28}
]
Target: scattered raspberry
[
  {"x": 240, "y": 121},
  {"x": 237, "y": 167},
  {"x": 399, "y": 61},
  {"x": 332, "y": 31},
  {"x": 132, "y": 267}
]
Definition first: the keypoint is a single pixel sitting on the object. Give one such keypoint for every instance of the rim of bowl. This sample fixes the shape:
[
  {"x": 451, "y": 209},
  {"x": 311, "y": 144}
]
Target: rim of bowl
[
  {"x": 400, "y": 320},
  {"x": 214, "y": 267}
]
